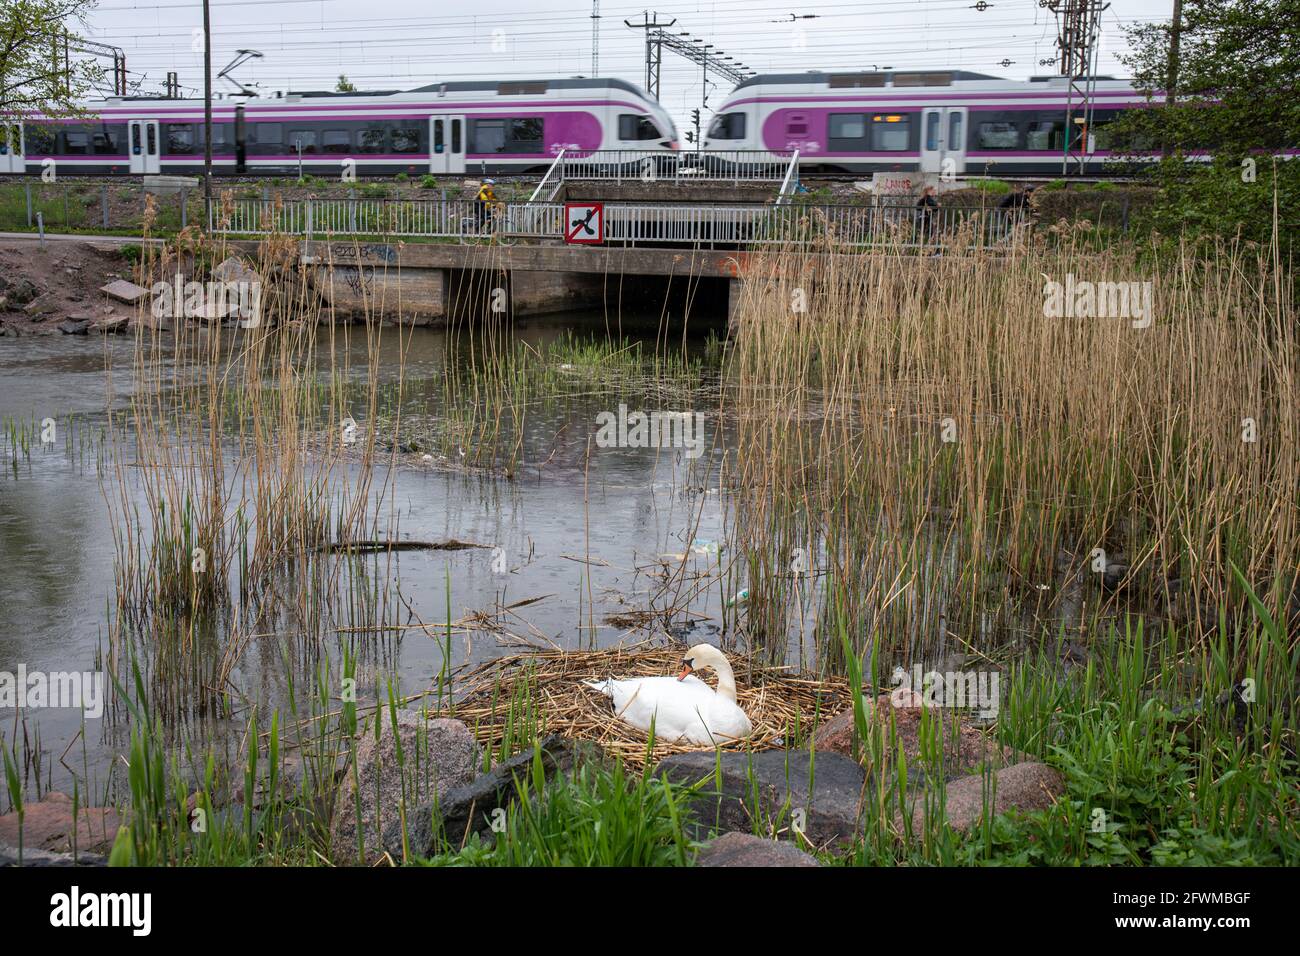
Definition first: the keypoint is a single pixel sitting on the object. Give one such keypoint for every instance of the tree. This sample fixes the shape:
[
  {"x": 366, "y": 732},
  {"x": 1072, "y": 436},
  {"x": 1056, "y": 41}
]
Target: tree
[
  {"x": 32, "y": 77},
  {"x": 344, "y": 85},
  {"x": 1229, "y": 93}
]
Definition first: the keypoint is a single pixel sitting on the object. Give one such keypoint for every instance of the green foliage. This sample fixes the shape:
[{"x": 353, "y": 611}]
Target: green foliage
[
  {"x": 1234, "y": 97},
  {"x": 30, "y": 80},
  {"x": 592, "y": 817},
  {"x": 344, "y": 85},
  {"x": 428, "y": 181}
]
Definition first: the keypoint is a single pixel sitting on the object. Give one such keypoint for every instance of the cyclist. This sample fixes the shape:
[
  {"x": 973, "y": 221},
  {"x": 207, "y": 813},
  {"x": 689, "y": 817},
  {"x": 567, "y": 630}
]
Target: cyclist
[{"x": 484, "y": 202}]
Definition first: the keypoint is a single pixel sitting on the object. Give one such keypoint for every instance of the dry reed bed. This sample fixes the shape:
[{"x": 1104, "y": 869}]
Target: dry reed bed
[
  {"x": 1071, "y": 434},
  {"x": 490, "y": 699}
]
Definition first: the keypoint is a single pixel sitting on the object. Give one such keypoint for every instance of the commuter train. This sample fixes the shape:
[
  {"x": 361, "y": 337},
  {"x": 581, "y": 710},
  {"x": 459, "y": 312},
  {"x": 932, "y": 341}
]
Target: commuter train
[
  {"x": 933, "y": 122},
  {"x": 515, "y": 126}
]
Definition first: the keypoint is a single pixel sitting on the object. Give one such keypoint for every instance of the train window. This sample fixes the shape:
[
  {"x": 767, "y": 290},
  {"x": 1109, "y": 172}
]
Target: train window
[
  {"x": 372, "y": 140},
  {"x": 135, "y": 139},
  {"x": 633, "y": 127},
  {"x": 840, "y": 81},
  {"x": 110, "y": 140},
  {"x": 151, "y": 133},
  {"x": 923, "y": 79},
  {"x": 180, "y": 138},
  {"x": 487, "y": 136},
  {"x": 335, "y": 141},
  {"x": 1046, "y": 134},
  {"x": 727, "y": 126},
  {"x": 998, "y": 136},
  {"x": 223, "y": 134},
  {"x": 891, "y": 132},
  {"x": 456, "y": 136},
  {"x": 515, "y": 89},
  {"x": 847, "y": 126},
  {"x": 40, "y": 140},
  {"x": 932, "y": 130},
  {"x": 75, "y": 142},
  {"x": 406, "y": 137},
  {"x": 302, "y": 140},
  {"x": 955, "y": 141},
  {"x": 268, "y": 134},
  {"x": 526, "y": 135}
]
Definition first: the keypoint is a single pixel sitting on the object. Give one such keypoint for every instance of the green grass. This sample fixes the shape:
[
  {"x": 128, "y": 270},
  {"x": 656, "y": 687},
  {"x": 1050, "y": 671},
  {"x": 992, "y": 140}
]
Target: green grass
[{"x": 592, "y": 817}]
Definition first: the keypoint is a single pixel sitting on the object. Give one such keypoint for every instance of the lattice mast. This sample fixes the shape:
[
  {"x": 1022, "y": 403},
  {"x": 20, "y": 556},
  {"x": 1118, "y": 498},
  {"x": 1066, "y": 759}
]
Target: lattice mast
[{"x": 1078, "y": 30}]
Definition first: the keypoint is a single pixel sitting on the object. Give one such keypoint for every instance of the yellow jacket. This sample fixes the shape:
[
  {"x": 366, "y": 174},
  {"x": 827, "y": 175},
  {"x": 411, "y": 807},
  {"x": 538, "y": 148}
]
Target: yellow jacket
[{"x": 485, "y": 194}]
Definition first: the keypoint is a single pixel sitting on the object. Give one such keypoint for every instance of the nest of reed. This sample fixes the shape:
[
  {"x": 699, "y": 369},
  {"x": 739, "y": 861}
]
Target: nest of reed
[{"x": 510, "y": 701}]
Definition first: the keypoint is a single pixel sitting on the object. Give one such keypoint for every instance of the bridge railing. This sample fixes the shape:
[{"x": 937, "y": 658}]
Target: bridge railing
[
  {"x": 701, "y": 166},
  {"x": 645, "y": 224}
]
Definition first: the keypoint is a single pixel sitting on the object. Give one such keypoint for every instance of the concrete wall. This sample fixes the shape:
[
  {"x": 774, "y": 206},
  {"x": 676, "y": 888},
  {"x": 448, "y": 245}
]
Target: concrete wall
[{"x": 537, "y": 293}]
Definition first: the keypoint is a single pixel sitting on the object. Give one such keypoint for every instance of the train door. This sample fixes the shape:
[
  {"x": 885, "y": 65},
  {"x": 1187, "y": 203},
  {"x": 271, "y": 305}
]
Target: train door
[
  {"x": 446, "y": 144},
  {"x": 11, "y": 148},
  {"x": 943, "y": 140},
  {"x": 142, "y": 137}
]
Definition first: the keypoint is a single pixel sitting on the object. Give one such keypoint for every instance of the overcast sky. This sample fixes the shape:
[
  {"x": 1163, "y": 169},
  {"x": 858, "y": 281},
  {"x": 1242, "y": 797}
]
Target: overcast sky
[{"x": 398, "y": 44}]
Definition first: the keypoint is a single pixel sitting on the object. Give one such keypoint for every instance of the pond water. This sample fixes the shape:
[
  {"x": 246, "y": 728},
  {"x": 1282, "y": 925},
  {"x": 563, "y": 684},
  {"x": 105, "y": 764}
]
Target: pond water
[{"x": 580, "y": 528}]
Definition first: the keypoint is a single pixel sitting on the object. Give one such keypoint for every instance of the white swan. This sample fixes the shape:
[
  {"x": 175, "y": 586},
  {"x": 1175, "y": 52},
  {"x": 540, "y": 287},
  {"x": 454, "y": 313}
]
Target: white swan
[{"x": 682, "y": 707}]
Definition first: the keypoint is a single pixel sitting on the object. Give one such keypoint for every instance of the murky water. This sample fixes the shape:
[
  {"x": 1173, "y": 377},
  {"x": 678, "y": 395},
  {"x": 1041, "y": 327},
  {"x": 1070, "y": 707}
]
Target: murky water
[{"x": 580, "y": 528}]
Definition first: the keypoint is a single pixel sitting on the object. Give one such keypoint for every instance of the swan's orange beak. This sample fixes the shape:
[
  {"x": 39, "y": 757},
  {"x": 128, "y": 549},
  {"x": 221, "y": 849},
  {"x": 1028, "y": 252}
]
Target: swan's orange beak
[{"x": 686, "y": 669}]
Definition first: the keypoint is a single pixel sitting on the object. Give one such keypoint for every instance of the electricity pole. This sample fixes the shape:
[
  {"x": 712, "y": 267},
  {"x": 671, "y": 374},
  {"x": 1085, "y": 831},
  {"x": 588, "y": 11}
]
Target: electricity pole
[
  {"x": 1175, "y": 45},
  {"x": 207, "y": 111},
  {"x": 595, "y": 38}
]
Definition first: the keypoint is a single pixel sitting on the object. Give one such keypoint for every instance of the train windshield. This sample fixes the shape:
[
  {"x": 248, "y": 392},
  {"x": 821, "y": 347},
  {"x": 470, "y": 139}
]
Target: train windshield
[{"x": 727, "y": 126}]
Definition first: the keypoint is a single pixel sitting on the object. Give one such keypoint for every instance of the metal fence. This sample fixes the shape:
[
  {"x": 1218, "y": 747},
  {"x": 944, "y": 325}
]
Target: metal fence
[
  {"x": 645, "y": 224},
  {"x": 714, "y": 165}
]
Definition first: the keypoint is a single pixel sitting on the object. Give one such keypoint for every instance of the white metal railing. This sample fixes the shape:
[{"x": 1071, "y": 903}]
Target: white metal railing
[
  {"x": 552, "y": 181},
  {"x": 714, "y": 165},
  {"x": 625, "y": 223},
  {"x": 791, "y": 181}
]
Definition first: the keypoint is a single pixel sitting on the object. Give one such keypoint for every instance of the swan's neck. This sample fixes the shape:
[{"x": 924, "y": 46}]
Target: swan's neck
[{"x": 726, "y": 680}]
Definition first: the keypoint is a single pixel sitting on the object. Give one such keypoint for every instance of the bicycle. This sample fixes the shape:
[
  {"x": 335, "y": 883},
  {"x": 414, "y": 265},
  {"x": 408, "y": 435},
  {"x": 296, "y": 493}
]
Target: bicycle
[{"x": 490, "y": 226}]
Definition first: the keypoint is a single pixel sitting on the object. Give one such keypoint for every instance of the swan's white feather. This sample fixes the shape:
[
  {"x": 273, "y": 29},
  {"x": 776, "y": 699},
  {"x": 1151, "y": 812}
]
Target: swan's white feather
[{"x": 681, "y": 709}]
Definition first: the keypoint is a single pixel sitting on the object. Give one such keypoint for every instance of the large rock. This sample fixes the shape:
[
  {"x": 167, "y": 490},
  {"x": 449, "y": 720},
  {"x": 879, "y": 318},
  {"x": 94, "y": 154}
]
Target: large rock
[
  {"x": 110, "y": 324},
  {"x": 125, "y": 291},
  {"x": 439, "y": 756},
  {"x": 34, "y": 857},
  {"x": 48, "y": 825},
  {"x": 234, "y": 269},
  {"x": 470, "y": 809},
  {"x": 964, "y": 751},
  {"x": 745, "y": 849},
  {"x": 760, "y": 787},
  {"x": 1023, "y": 787}
]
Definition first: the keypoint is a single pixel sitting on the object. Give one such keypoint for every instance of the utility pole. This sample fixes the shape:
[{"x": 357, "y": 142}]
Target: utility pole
[
  {"x": 1175, "y": 49},
  {"x": 1078, "y": 26},
  {"x": 654, "y": 53},
  {"x": 595, "y": 38},
  {"x": 207, "y": 111},
  {"x": 697, "y": 51}
]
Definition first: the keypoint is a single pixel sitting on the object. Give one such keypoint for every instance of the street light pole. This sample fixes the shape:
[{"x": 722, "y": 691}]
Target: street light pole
[{"x": 207, "y": 111}]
